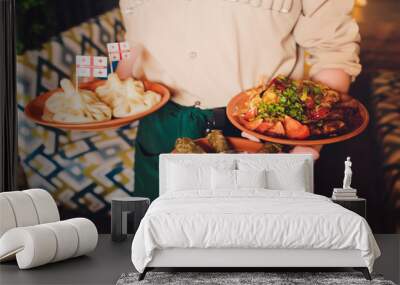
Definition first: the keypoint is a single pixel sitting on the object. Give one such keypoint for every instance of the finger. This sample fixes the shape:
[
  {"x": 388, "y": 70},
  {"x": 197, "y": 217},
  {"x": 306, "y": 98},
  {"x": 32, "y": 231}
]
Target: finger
[
  {"x": 306, "y": 150},
  {"x": 250, "y": 137},
  {"x": 125, "y": 66}
]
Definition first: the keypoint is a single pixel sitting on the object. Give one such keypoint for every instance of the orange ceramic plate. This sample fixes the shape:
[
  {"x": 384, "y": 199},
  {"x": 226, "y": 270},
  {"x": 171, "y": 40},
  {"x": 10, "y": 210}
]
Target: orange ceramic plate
[
  {"x": 238, "y": 144},
  {"x": 239, "y": 100},
  {"x": 34, "y": 110}
]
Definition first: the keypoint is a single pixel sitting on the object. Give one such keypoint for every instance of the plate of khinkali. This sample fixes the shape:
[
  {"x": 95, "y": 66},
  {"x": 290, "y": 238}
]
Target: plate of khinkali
[{"x": 97, "y": 105}]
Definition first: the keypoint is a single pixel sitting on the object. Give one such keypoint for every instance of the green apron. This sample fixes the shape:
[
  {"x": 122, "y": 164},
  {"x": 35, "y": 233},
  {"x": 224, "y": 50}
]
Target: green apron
[{"x": 157, "y": 134}]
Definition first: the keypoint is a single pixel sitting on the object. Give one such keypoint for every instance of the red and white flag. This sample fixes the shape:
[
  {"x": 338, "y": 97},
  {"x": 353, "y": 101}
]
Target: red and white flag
[
  {"x": 118, "y": 51},
  {"x": 91, "y": 66}
]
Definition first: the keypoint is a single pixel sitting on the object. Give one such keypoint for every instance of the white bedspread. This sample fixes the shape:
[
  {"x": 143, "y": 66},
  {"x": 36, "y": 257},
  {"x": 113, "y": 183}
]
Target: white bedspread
[{"x": 250, "y": 219}]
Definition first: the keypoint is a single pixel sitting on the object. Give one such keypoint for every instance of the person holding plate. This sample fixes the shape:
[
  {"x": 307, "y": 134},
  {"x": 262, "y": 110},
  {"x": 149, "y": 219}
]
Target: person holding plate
[{"x": 207, "y": 51}]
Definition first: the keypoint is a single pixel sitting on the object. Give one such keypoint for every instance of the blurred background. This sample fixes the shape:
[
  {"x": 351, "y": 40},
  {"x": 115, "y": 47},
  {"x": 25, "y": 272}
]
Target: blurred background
[
  {"x": 84, "y": 171},
  {"x": 43, "y": 19}
]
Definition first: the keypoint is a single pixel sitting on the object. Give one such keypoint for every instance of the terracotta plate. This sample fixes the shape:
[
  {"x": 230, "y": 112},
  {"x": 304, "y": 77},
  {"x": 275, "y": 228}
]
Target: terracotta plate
[
  {"x": 240, "y": 99},
  {"x": 34, "y": 110},
  {"x": 238, "y": 144}
]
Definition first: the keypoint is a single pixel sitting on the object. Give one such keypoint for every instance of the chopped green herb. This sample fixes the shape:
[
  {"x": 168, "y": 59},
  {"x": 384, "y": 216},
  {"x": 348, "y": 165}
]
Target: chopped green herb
[
  {"x": 291, "y": 99},
  {"x": 317, "y": 90}
]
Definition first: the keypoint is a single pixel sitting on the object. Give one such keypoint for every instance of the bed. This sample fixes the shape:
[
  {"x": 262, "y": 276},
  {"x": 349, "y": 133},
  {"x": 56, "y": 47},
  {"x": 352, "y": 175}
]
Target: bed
[{"x": 247, "y": 210}]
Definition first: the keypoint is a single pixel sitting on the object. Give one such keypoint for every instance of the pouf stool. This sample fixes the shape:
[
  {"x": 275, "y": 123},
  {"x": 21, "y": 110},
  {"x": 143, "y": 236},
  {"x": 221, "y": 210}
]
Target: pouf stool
[
  {"x": 31, "y": 231},
  {"x": 48, "y": 243}
]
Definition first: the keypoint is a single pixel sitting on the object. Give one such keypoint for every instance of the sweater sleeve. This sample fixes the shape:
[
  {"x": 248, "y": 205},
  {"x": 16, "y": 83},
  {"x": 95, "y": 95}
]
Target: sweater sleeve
[{"x": 330, "y": 36}]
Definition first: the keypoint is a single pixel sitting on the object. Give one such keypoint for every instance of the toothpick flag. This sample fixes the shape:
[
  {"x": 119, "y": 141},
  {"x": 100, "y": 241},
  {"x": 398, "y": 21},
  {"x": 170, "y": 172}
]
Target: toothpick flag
[
  {"x": 91, "y": 66},
  {"x": 118, "y": 51}
]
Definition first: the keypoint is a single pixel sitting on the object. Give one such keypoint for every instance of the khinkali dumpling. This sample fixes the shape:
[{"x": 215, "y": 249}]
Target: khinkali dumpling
[{"x": 70, "y": 106}]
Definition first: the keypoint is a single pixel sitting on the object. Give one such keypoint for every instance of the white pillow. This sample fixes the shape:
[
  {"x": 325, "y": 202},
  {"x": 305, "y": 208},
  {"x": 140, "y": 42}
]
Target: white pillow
[
  {"x": 223, "y": 179},
  {"x": 188, "y": 176},
  {"x": 282, "y": 174},
  {"x": 235, "y": 179},
  {"x": 293, "y": 179},
  {"x": 183, "y": 178},
  {"x": 251, "y": 178}
]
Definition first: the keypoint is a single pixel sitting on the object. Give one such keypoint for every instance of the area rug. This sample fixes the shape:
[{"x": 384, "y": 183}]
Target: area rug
[{"x": 253, "y": 278}]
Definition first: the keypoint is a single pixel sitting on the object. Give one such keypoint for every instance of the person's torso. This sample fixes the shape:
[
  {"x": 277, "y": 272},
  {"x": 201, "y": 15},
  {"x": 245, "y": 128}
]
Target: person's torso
[{"x": 210, "y": 50}]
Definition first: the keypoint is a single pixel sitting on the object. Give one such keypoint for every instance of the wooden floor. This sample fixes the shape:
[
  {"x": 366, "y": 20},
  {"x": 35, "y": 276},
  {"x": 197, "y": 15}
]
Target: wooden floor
[{"x": 106, "y": 264}]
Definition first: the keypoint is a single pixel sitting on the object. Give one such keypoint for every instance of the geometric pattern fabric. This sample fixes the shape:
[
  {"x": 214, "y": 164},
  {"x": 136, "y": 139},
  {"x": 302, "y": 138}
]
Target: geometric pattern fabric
[{"x": 82, "y": 170}]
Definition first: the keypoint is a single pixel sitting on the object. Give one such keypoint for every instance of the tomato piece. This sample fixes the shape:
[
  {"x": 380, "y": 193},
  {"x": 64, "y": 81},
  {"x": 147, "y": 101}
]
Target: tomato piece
[
  {"x": 250, "y": 125},
  {"x": 272, "y": 82},
  {"x": 320, "y": 113},
  {"x": 295, "y": 129},
  {"x": 250, "y": 115},
  {"x": 280, "y": 86},
  {"x": 277, "y": 129},
  {"x": 264, "y": 126}
]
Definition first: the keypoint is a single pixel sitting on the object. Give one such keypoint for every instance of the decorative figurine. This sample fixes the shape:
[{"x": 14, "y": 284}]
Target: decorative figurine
[
  {"x": 347, "y": 174},
  {"x": 347, "y": 192}
]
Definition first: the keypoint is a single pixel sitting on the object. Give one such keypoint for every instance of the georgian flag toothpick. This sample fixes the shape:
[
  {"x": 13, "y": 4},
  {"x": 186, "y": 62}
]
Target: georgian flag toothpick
[
  {"x": 118, "y": 51},
  {"x": 91, "y": 66}
]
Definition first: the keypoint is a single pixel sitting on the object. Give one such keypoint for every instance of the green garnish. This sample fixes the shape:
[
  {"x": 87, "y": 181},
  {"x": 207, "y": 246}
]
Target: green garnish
[
  {"x": 288, "y": 103},
  {"x": 290, "y": 98},
  {"x": 317, "y": 90}
]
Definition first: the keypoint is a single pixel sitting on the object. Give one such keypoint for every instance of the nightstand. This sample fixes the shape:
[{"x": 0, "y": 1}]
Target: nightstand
[
  {"x": 357, "y": 205},
  {"x": 120, "y": 208}
]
